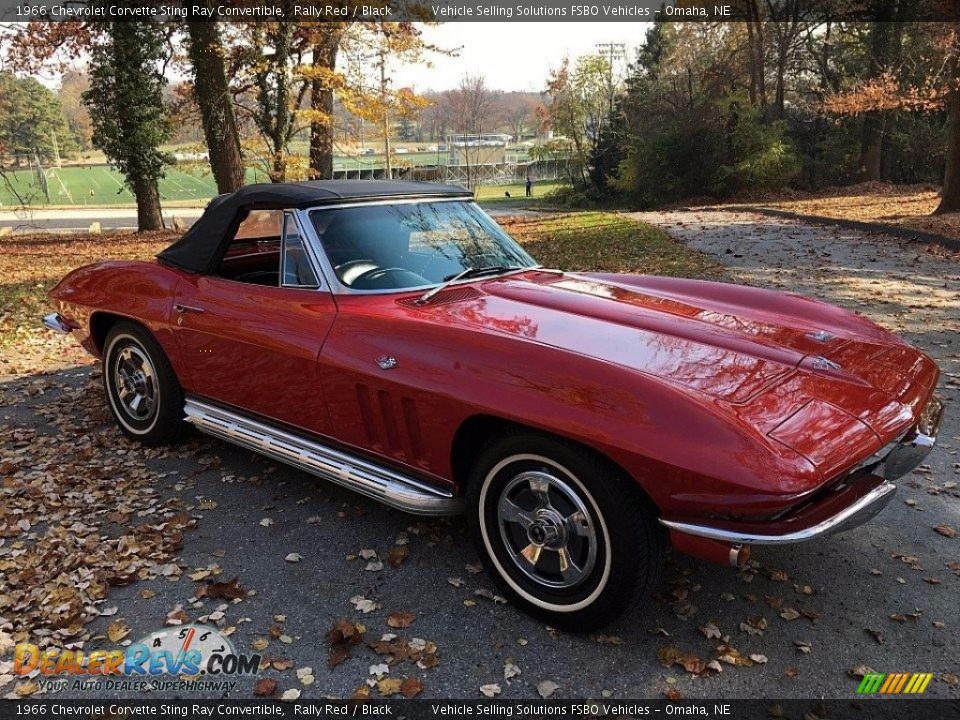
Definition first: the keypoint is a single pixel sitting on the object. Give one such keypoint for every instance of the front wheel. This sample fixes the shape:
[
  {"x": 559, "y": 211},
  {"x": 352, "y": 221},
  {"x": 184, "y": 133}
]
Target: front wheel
[
  {"x": 142, "y": 389},
  {"x": 561, "y": 531}
]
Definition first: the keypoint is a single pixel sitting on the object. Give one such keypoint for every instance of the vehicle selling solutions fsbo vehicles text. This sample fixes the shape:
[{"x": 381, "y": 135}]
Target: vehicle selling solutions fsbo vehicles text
[{"x": 603, "y": 10}]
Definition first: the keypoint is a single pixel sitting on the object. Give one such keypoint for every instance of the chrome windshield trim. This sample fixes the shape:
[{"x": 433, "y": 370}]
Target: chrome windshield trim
[
  {"x": 851, "y": 516},
  {"x": 392, "y": 201}
]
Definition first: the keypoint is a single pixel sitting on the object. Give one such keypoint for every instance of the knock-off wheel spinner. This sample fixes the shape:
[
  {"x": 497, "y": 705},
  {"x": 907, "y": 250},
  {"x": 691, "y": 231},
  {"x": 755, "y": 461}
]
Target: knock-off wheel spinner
[{"x": 547, "y": 529}]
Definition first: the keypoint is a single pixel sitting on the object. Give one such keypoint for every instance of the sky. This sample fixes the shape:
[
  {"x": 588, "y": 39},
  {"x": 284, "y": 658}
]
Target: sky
[{"x": 512, "y": 55}]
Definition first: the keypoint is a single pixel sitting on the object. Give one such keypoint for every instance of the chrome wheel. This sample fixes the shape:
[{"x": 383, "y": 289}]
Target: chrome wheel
[
  {"x": 135, "y": 380},
  {"x": 547, "y": 529}
]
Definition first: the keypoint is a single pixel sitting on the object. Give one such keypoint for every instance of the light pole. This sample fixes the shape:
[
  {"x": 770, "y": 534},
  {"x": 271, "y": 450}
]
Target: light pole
[{"x": 613, "y": 51}]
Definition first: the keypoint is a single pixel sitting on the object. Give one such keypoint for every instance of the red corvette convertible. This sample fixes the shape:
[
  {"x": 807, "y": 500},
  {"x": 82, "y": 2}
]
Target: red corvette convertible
[{"x": 392, "y": 338}]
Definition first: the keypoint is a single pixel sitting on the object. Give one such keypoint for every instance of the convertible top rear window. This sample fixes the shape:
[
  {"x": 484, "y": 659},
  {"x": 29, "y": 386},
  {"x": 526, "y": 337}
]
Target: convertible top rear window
[{"x": 412, "y": 245}]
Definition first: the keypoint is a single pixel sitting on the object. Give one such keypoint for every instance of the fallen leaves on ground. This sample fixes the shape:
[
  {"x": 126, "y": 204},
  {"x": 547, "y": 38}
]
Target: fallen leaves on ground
[
  {"x": 411, "y": 687},
  {"x": 398, "y": 555},
  {"x": 710, "y": 631},
  {"x": 399, "y": 620},
  {"x": 754, "y": 626},
  {"x": 905, "y": 206},
  {"x": 117, "y": 631},
  {"x": 229, "y": 590},
  {"x": 388, "y": 686},
  {"x": 396, "y": 649},
  {"x": 669, "y": 655},
  {"x": 343, "y": 636},
  {"x": 946, "y": 530},
  {"x": 510, "y": 670},
  {"x": 950, "y": 678},
  {"x": 606, "y": 242},
  {"x": 32, "y": 264},
  {"x": 362, "y": 604},
  {"x": 546, "y": 688},
  {"x": 73, "y": 525},
  {"x": 731, "y": 656},
  {"x": 265, "y": 687},
  {"x": 490, "y": 690}
]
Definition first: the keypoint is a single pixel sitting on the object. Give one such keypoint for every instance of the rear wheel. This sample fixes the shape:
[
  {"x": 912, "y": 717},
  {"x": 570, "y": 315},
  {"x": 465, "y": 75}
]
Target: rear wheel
[
  {"x": 566, "y": 536},
  {"x": 142, "y": 390}
]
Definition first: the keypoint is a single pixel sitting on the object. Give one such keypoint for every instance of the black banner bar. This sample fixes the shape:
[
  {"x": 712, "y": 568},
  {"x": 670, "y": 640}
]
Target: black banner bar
[{"x": 808, "y": 11}]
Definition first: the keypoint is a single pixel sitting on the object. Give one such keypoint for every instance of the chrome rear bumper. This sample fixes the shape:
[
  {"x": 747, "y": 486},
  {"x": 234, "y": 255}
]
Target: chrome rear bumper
[
  {"x": 913, "y": 448},
  {"x": 54, "y": 322}
]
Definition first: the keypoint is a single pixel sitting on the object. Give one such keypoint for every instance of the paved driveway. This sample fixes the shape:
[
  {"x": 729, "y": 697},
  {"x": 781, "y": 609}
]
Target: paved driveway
[{"x": 880, "y": 596}]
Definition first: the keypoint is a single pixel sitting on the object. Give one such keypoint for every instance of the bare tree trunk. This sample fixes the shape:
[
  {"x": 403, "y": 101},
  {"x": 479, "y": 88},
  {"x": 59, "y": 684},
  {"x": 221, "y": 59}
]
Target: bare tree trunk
[
  {"x": 756, "y": 42},
  {"x": 321, "y": 101},
  {"x": 278, "y": 170},
  {"x": 149, "y": 216},
  {"x": 950, "y": 200},
  {"x": 885, "y": 38},
  {"x": 871, "y": 145},
  {"x": 385, "y": 120},
  {"x": 212, "y": 92}
]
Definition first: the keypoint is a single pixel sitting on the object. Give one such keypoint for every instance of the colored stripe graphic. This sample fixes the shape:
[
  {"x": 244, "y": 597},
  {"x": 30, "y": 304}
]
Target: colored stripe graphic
[
  {"x": 870, "y": 683},
  {"x": 894, "y": 683}
]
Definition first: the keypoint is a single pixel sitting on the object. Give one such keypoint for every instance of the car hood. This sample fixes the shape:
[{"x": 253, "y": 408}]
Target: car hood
[{"x": 764, "y": 355}]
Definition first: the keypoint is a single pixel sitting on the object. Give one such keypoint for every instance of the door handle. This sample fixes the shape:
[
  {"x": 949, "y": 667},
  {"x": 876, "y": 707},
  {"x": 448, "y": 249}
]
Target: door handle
[{"x": 181, "y": 309}]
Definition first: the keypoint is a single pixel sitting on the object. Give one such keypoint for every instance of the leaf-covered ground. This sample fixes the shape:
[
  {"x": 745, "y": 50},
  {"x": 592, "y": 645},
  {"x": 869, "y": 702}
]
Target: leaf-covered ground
[
  {"x": 608, "y": 242},
  {"x": 903, "y": 206},
  {"x": 29, "y": 267}
]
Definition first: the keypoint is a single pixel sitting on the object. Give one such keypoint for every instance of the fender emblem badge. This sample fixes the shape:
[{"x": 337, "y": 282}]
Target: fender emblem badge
[
  {"x": 386, "y": 362},
  {"x": 821, "y": 363}
]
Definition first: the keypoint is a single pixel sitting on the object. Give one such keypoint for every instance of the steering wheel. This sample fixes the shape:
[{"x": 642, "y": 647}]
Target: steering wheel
[
  {"x": 378, "y": 278},
  {"x": 350, "y": 271}
]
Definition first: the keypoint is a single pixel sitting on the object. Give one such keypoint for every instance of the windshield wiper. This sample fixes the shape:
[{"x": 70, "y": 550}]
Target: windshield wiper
[{"x": 468, "y": 273}]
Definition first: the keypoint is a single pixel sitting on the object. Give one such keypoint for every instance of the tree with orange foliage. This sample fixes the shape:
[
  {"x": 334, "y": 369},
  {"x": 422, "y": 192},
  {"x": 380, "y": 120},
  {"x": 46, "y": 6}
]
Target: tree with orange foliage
[{"x": 887, "y": 92}]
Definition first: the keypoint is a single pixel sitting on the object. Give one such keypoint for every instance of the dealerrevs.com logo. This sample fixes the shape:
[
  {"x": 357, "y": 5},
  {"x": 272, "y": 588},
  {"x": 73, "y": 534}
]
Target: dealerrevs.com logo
[{"x": 196, "y": 656}]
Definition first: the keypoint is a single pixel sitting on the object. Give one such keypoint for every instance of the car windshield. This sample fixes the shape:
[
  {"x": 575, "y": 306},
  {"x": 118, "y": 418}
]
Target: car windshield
[{"x": 413, "y": 245}]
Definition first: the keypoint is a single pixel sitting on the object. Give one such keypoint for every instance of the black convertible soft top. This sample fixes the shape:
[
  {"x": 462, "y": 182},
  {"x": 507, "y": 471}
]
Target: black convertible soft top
[{"x": 202, "y": 245}]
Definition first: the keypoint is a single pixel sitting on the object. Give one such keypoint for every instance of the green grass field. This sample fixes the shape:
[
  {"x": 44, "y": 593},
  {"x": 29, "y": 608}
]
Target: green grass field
[
  {"x": 99, "y": 185},
  {"x": 102, "y": 185}
]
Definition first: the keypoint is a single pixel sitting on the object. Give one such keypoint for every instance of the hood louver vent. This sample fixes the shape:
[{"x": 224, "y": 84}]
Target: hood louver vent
[{"x": 447, "y": 296}]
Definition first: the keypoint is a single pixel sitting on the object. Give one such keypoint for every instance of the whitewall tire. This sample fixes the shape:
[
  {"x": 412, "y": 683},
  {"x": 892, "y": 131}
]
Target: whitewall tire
[
  {"x": 561, "y": 531},
  {"x": 143, "y": 393}
]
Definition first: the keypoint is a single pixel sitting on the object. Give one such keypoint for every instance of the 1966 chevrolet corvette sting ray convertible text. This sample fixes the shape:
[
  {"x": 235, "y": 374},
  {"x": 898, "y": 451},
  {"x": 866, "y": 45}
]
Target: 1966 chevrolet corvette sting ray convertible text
[{"x": 392, "y": 338}]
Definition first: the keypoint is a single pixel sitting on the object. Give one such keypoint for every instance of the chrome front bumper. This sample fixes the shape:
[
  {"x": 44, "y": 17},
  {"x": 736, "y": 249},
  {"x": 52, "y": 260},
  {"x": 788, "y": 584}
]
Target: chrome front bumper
[
  {"x": 853, "y": 502},
  {"x": 54, "y": 322},
  {"x": 797, "y": 529}
]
